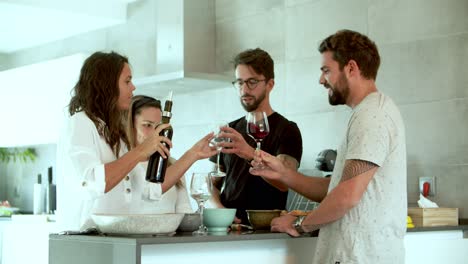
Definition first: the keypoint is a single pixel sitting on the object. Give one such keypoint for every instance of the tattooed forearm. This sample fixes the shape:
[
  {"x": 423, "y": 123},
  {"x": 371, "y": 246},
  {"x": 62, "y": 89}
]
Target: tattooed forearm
[
  {"x": 288, "y": 161},
  {"x": 353, "y": 168}
]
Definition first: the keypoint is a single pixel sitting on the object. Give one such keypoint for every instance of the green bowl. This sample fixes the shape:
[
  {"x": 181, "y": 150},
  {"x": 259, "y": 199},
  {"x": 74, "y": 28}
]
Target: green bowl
[
  {"x": 261, "y": 219},
  {"x": 218, "y": 219}
]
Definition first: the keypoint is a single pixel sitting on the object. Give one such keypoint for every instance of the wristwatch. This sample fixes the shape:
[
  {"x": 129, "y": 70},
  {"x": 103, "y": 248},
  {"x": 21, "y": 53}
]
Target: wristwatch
[{"x": 298, "y": 224}]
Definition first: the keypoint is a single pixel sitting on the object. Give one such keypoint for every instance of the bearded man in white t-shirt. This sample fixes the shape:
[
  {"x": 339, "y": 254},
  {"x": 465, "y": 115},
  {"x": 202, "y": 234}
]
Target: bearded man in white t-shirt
[{"x": 363, "y": 206}]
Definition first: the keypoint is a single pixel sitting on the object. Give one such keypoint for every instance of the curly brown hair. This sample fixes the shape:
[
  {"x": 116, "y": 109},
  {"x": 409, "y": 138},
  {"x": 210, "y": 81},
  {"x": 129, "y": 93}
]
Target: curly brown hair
[
  {"x": 349, "y": 45},
  {"x": 259, "y": 60},
  {"x": 97, "y": 93}
]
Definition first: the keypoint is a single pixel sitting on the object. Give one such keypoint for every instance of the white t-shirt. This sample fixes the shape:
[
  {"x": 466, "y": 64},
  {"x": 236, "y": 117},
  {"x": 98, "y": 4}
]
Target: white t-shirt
[
  {"x": 373, "y": 231},
  {"x": 82, "y": 154}
]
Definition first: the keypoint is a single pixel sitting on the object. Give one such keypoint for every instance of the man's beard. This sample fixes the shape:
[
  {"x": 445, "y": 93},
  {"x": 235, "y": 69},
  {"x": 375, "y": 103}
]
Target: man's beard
[
  {"x": 339, "y": 97},
  {"x": 255, "y": 103}
]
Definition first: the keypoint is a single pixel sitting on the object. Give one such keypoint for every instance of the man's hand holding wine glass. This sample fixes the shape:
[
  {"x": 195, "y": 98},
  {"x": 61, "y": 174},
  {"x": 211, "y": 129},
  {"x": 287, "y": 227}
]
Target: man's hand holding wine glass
[
  {"x": 236, "y": 144},
  {"x": 273, "y": 168}
]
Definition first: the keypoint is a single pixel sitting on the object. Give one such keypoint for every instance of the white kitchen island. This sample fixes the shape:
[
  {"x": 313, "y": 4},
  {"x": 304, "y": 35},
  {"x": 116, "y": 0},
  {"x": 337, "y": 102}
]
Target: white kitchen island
[
  {"x": 260, "y": 247},
  {"x": 423, "y": 245}
]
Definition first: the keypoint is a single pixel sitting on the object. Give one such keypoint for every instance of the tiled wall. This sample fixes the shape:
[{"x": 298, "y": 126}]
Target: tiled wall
[{"x": 424, "y": 49}]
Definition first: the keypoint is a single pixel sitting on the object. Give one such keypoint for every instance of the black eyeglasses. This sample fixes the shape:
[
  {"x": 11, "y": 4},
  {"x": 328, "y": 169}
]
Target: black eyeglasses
[{"x": 251, "y": 83}]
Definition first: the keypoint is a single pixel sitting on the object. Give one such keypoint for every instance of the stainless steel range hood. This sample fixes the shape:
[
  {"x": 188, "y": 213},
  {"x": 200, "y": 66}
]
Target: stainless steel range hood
[{"x": 185, "y": 49}]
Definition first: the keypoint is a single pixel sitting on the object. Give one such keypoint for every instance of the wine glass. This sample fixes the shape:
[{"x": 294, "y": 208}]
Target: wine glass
[
  {"x": 215, "y": 141},
  {"x": 200, "y": 190},
  {"x": 257, "y": 128}
]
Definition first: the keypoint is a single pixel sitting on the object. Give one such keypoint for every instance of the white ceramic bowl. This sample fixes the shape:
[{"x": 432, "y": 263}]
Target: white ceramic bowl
[
  {"x": 189, "y": 223},
  {"x": 137, "y": 223}
]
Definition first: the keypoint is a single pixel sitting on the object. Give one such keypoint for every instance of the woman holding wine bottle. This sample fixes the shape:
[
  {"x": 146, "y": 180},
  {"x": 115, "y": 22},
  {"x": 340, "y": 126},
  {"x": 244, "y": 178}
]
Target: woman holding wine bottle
[
  {"x": 144, "y": 116},
  {"x": 94, "y": 167}
]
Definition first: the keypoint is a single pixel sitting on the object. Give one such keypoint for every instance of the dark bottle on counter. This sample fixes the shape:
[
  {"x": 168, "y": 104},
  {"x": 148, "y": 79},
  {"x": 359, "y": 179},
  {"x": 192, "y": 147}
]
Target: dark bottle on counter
[
  {"x": 157, "y": 165},
  {"x": 51, "y": 194}
]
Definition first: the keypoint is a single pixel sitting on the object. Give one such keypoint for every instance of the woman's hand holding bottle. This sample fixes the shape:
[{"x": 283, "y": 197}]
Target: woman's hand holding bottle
[{"x": 154, "y": 143}]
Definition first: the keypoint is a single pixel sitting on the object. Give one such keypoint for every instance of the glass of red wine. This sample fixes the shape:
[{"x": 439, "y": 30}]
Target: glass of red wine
[{"x": 257, "y": 128}]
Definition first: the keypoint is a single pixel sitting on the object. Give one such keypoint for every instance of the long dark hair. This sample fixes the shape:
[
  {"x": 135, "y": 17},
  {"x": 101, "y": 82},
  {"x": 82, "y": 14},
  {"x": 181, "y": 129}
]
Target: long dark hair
[{"x": 97, "y": 93}]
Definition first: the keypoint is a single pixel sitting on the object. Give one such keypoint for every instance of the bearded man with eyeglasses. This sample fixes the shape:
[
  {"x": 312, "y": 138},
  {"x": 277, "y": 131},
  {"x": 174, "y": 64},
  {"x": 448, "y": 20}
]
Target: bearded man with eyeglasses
[{"x": 254, "y": 70}]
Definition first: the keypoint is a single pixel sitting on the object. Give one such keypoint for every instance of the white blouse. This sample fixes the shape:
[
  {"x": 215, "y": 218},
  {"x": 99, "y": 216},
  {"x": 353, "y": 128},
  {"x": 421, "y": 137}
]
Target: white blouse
[
  {"x": 154, "y": 202},
  {"x": 82, "y": 154}
]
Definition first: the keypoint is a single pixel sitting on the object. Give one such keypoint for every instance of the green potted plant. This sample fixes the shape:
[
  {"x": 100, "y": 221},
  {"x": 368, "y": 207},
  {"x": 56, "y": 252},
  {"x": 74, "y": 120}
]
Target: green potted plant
[{"x": 23, "y": 155}]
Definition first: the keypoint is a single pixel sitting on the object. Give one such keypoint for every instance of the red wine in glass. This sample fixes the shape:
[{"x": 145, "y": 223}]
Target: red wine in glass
[
  {"x": 257, "y": 126},
  {"x": 256, "y": 132}
]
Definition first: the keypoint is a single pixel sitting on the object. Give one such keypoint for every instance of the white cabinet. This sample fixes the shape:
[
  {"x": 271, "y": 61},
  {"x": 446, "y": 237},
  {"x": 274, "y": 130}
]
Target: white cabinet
[
  {"x": 435, "y": 247},
  {"x": 34, "y": 100},
  {"x": 26, "y": 240},
  {"x": 3, "y": 225}
]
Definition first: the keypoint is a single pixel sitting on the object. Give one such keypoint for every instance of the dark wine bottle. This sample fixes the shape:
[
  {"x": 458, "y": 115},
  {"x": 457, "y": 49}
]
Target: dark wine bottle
[
  {"x": 157, "y": 165},
  {"x": 51, "y": 193}
]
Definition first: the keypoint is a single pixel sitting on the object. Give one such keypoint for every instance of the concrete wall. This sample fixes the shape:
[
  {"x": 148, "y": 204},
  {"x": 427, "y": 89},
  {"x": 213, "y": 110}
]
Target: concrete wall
[
  {"x": 424, "y": 49},
  {"x": 17, "y": 178}
]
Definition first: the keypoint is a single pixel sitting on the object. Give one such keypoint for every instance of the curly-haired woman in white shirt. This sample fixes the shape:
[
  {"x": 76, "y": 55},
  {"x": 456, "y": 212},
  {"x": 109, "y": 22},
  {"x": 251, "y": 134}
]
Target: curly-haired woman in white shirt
[{"x": 94, "y": 164}]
